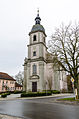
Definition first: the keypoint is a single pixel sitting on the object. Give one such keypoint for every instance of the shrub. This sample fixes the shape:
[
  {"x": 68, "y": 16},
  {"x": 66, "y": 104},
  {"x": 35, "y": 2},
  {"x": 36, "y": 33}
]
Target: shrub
[
  {"x": 52, "y": 91},
  {"x": 55, "y": 91},
  {"x": 8, "y": 93},
  {"x": 17, "y": 92},
  {"x": 4, "y": 95},
  {"x": 32, "y": 94}
]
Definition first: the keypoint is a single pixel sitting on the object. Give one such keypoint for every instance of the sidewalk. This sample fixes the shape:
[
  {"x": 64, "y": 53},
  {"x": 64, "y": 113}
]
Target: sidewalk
[
  {"x": 17, "y": 96},
  {"x": 8, "y": 117},
  {"x": 11, "y": 96}
]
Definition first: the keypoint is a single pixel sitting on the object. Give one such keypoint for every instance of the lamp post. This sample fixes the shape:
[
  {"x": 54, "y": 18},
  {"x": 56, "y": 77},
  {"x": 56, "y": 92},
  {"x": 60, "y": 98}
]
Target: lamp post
[{"x": 72, "y": 80}]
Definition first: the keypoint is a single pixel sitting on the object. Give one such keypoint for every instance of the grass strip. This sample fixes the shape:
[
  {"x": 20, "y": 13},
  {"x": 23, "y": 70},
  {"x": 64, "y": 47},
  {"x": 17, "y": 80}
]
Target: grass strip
[{"x": 68, "y": 99}]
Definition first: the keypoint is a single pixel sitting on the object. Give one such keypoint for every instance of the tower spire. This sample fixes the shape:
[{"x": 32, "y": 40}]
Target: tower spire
[
  {"x": 38, "y": 12},
  {"x": 37, "y": 19}
]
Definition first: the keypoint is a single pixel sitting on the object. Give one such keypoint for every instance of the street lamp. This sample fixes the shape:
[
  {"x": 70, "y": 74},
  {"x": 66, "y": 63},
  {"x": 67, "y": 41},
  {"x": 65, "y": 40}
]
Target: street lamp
[{"x": 72, "y": 80}]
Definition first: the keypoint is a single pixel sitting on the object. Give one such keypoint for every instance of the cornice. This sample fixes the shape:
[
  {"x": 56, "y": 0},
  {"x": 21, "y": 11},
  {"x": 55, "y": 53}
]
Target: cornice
[
  {"x": 36, "y": 59},
  {"x": 37, "y": 31},
  {"x": 37, "y": 43}
]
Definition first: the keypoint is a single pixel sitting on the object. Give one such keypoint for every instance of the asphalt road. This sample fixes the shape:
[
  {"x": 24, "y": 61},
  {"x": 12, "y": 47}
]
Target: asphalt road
[{"x": 39, "y": 109}]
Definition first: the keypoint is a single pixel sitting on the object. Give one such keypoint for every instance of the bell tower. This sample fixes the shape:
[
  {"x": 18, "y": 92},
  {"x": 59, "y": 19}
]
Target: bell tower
[{"x": 35, "y": 64}]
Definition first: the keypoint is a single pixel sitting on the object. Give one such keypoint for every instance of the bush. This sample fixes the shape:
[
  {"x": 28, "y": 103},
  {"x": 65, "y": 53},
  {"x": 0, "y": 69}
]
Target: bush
[
  {"x": 17, "y": 92},
  {"x": 55, "y": 92},
  {"x": 8, "y": 93},
  {"x": 32, "y": 94},
  {"x": 52, "y": 91},
  {"x": 4, "y": 95}
]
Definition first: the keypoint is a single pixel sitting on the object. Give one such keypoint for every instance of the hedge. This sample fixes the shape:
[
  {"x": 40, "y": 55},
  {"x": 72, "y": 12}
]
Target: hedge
[
  {"x": 4, "y": 95},
  {"x": 32, "y": 94},
  {"x": 53, "y": 91},
  {"x": 17, "y": 92}
]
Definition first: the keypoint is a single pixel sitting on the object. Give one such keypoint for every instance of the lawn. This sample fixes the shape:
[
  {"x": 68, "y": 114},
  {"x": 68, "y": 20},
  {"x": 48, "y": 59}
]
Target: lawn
[{"x": 68, "y": 99}]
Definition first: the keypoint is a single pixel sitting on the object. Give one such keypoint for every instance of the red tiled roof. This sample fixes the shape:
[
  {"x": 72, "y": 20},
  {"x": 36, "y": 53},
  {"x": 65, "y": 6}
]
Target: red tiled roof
[
  {"x": 5, "y": 76},
  {"x": 18, "y": 85}
]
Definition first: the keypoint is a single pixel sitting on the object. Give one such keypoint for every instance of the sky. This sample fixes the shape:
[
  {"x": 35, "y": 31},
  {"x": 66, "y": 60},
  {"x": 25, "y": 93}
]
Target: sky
[{"x": 16, "y": 20}]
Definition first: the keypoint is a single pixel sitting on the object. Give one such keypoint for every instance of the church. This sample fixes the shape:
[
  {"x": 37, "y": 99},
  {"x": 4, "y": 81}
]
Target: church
[{"x": 39, "y": 71}]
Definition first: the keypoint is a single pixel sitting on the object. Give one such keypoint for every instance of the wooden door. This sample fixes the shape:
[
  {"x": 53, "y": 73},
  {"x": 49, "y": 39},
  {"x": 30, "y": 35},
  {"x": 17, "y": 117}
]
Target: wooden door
[{"x": 34, "y": 86}]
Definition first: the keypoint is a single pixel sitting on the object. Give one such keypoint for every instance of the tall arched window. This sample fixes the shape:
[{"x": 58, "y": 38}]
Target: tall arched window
[
  {"x": 34, "y": 69},
  {"x": 34, "y": 38}
]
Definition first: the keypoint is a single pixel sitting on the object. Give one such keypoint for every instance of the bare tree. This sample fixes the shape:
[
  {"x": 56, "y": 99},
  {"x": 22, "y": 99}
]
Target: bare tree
[
  {"x": 65, "y": 46},
  {"x": 19, "y": 77}
]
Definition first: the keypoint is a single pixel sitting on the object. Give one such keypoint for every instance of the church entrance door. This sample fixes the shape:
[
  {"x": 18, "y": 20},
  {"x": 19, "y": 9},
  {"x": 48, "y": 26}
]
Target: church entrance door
[{"x": 34, "y": 86}]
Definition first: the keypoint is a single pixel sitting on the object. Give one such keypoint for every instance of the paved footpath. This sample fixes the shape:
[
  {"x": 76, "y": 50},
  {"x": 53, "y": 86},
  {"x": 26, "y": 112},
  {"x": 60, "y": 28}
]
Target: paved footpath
[
  {"x": 8, "y": 117},
  {"x": 11, "y": 96}
]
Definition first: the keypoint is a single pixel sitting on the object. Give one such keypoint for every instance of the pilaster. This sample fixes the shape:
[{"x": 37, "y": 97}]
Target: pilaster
[
  {"x": 28, "y": 76},
  {"x": 41, "y": 73}
]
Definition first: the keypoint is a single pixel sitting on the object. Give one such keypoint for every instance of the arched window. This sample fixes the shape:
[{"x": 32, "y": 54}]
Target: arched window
[
  {"x": 34, "y": 53},
  {"x": 34, "y": 38},
  {"x": 34, "y": 69}
]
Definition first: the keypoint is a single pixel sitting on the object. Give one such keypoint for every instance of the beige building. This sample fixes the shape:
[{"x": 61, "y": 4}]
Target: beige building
[
  {"x": 39, "y": 71},
  {"x": 18, "y": 87}
]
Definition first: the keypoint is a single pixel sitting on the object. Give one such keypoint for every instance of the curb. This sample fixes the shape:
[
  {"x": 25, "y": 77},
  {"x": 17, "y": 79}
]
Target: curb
[
  {"x": 54, "y": 95},
  {"x": 41, "y": 97}
]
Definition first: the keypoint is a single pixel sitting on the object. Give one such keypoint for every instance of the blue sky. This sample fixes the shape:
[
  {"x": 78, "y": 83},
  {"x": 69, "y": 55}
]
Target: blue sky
[{"x": 16, "y": 20}]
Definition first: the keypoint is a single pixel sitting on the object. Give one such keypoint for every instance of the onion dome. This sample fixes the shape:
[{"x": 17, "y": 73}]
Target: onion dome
[{"x": 37, "y": 26}]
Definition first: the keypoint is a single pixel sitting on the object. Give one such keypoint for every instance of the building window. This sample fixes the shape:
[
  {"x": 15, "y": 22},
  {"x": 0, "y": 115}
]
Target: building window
[
  {"x": 34, "y": 53},
  {"x": 2, "y": 88},
  {"x": 34, "y": 38},
  {"x": 44, "y": 39},
  {"x": 34, "y": 69},
  {"x": 3, "y": 83}
]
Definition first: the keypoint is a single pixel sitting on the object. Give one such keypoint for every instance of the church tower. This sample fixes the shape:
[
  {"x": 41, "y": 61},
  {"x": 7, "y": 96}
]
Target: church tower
[{"x": 35, "y": 64}]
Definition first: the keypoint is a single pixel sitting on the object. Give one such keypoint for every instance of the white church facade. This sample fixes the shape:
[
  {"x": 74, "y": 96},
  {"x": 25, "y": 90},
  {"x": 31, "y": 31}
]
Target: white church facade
[{"x": 39, "y": 72}]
